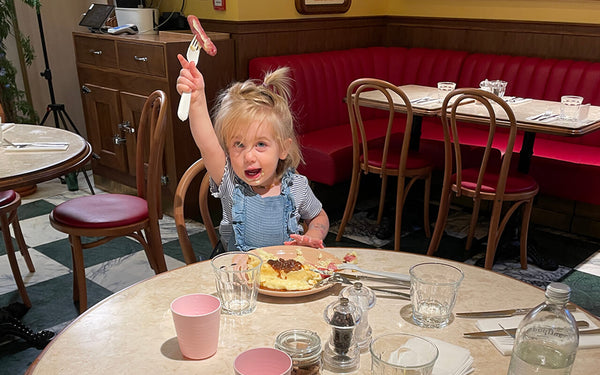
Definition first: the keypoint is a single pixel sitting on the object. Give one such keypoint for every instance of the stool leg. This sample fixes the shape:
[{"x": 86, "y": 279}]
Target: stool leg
[
  {"x": 12, "y": 259},
  {"x": 79, "y": 284},
  {"x": 21, "y": 242}
]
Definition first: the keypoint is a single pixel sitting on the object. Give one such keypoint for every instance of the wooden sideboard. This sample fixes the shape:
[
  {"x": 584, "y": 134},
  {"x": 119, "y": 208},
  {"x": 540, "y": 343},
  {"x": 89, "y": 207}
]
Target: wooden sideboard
[{"x": 116, "y": 74}]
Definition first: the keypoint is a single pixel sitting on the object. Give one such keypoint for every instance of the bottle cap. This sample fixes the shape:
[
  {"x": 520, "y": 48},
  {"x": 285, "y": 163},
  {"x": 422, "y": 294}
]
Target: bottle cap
[{"x": 558, "y": 291}]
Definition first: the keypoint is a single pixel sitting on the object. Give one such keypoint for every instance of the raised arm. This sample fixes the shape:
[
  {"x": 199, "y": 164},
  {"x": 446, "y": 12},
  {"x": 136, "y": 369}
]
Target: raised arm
[{"x": 191, "y": 80}]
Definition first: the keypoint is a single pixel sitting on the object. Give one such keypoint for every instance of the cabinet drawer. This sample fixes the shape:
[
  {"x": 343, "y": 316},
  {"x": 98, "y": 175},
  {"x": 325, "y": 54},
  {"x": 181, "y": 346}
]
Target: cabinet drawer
[
  {"x": 141, "y": 58},
  {"x": 99, "y": 52}
]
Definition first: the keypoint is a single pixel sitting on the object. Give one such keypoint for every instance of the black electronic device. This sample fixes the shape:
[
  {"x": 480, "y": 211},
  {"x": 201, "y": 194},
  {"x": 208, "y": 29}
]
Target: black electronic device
[{"x": 96, "y": 15}]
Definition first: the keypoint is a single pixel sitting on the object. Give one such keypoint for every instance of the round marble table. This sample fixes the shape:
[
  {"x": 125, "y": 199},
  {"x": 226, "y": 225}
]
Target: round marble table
[
  {"x": 132, "y": 331},
  {"x": 20, "y": 168}
]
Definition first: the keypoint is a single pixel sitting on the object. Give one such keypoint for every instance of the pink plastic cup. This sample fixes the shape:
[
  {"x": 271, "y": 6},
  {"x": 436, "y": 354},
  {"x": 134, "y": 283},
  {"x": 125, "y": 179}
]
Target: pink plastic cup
[
  {"x": 263, "y": 361},
  {"x": 197, "y": 320}
]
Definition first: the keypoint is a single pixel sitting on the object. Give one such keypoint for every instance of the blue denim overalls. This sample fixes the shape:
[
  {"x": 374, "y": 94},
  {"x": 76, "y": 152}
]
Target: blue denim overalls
[{"x": 262, "y": 221}]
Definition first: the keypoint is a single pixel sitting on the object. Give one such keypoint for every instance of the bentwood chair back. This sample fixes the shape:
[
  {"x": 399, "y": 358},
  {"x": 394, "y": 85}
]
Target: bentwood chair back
[
  {"x": 109, "y": 216},
  {"x": 10, "y": 201},
  {"x": 489, "y": 181},
  {"x": 193, "y": 172},
  {"x": 389, "y": 156}
]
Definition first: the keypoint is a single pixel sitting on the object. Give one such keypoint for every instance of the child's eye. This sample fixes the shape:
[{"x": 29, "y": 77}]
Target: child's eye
[
  {"x": 238, "y": 144},
  {"x": 261, "y": 144}
]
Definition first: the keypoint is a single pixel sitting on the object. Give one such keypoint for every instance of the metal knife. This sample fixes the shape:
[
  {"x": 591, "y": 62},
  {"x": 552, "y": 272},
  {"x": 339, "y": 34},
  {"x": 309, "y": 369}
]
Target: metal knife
[
  {"x": 384, "y": 280},
  {"x": 405, "y": 295},
  {"x": 513, "y": 331},
  {"x": 502, "y": 313}
]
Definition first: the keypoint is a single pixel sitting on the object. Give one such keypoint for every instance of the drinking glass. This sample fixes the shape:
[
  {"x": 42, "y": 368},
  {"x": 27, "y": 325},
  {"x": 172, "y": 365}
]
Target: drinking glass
[
  {"x": 444, "y": 88},
  {"x": 402, "y": 354},
  {"x": 569, "y": 107},
  {"x": 433, "y": 290},
  {"x": 499, "y": 87},
  {"x": 237, "y": 282}
]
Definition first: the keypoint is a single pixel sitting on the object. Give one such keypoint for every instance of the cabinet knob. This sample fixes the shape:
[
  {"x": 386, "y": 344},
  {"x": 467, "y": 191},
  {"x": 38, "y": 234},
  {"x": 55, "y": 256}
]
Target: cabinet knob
[
  {"x": 119, "y": 140},
  {"x": 137, "y": 58},
  {"x": 85, "y": 89},
  {"x": 95, "y": 52}
]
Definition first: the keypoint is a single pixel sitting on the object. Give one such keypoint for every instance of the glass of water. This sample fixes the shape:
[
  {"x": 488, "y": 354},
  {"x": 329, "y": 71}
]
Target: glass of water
[
  {"x": 433, "y": 291},
  {"x": 237, "y": 277}
]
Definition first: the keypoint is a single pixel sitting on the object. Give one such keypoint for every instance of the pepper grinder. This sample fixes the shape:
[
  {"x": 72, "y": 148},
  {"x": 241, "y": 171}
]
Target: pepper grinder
[
  {"x": 364, "y": 298},
  {"x": 341, "y": 353}
]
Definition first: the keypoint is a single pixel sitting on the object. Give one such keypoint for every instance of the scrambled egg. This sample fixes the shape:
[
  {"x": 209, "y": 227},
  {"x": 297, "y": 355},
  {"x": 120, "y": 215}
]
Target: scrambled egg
[{"x": 299, "y": 277}]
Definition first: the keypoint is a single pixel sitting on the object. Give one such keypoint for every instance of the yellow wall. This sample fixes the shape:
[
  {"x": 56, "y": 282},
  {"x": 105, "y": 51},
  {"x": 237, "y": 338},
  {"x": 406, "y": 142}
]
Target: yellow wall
[{"x": 577, "y": 11}]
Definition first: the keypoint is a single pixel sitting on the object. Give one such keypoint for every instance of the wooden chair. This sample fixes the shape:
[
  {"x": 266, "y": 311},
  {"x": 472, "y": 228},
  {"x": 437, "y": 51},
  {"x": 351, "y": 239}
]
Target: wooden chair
[
  {"x": 385, "y": 157},
  {"x": 10, "y": 201},
  {"x": 110, "y": 216},
  {"x": 489, "y": 182},
  {"x": 186, "y": 180}
]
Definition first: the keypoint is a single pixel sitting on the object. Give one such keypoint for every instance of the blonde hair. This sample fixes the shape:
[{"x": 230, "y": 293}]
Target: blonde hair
[{"x": 266, "y": 102}]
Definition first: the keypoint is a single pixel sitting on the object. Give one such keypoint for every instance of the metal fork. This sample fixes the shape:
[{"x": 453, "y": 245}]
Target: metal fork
[{"x": 193, "y": 53}]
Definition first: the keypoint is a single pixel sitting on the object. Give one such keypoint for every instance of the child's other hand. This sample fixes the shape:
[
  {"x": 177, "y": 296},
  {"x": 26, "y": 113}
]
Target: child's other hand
[
  {"x": 300, "y": 240},
  {"x": 190, "y": 79}
]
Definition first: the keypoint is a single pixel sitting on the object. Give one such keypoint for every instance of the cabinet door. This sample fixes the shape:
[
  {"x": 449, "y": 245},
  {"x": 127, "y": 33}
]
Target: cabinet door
[
  {"x": 103, "y": 115},
  {"x": 132, "y": 105}
]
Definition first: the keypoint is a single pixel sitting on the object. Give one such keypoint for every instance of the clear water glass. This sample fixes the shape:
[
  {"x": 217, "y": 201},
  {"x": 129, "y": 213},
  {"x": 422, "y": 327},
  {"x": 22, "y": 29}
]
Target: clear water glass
[
  {"x": 237, "y": 282},
  {"x": 433, "y": 291},
  {"x": 444, "y": 88},
  {"x": 402, "y": 354},
  {"x": 569, "y": 107}
]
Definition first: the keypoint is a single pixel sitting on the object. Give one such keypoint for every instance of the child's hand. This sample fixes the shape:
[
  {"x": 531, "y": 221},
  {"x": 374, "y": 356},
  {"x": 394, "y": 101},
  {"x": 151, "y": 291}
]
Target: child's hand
[
  {"x": 190, "y": 79},
  {"x": 301, "y": 240}
]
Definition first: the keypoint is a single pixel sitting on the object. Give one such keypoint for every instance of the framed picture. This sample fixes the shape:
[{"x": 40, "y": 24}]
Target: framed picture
[{"x": 322, "y": 6}]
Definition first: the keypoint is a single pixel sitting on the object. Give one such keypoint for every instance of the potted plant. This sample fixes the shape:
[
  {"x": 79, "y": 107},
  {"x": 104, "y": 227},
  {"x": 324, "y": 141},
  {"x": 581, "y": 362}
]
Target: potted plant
[{"x": 13, "y": 101}]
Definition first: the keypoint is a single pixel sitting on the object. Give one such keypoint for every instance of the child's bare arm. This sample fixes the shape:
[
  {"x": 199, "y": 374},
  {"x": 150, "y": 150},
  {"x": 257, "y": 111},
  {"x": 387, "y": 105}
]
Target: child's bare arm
[
  {"x": 316, "y": 233},
  {"x": 191, "y": 80}
]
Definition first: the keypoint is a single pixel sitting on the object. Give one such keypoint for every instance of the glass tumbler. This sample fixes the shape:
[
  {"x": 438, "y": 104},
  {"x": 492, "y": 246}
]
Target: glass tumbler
[
  {"x": 237, "y": 277},
  {"x": 569, "y": 107},
  {"x": 444, "y": 88},
  {"x": 402, "y": 354}
]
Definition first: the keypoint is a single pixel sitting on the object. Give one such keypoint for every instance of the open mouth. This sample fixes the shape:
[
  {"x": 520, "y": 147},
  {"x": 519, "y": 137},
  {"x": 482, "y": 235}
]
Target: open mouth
[{"x": 253, "y": 173}]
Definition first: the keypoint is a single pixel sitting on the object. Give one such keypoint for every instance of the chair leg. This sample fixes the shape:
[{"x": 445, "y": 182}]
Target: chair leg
[
  {"x": 350, "y": 204},
  {"x": 427, "y": 193},
  {"x": 156, "y": 255},
  {"x": 12, "y": 259},
  {"x": 384, "y": 180},
  {"x": 399, "y": 207},
  {"x": 22, "y": 245},
  {"x": 493, "y": 235},
  {"x": 473, "y": 223},
  {"x": 524, "y": 232},
  {"x": 79, "y": 281},
  {"x": 440, "y": 222}
]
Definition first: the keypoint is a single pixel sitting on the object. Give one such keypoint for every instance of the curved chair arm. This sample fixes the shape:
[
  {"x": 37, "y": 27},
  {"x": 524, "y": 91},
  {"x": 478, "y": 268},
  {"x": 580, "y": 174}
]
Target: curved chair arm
[{"x": 184, "y": 183}]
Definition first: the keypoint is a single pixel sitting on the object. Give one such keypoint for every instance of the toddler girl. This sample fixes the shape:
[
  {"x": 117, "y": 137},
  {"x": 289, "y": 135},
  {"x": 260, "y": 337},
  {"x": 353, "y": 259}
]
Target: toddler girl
[{"x": 251, "y": 155}]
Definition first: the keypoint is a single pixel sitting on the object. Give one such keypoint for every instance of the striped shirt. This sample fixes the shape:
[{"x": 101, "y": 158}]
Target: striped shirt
[{"x": 306, "y": 202}]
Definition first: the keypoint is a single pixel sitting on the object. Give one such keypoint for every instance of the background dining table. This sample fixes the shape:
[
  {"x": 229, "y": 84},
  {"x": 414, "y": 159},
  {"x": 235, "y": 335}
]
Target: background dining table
[
  {"x": 132, "y": 331},
  {"x": 29, "y": 166}
]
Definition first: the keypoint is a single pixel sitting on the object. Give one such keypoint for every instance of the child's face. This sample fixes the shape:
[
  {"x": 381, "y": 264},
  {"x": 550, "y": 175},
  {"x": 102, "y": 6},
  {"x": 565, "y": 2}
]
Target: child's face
[{"x": 255, "y": 154}]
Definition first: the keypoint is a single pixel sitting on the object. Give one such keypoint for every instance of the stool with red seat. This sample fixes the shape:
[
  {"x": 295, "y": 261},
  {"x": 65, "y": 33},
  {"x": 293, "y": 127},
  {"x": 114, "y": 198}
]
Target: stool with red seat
[
  {"x": 492, "y": 181},
  {"x": 110, "y": 216},
  {"x": 10, "y": 200}
]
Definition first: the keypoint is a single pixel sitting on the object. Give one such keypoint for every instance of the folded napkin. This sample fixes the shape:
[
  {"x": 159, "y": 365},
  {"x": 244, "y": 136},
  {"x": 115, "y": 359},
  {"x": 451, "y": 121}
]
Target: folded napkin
[
  {"x": 425, "y": 101},
  {"x": 38, "y": 146},
  {"x": 514, "y": 100},
  {"x": 504, "y": 344},
  {"x": 7, "y": 126},
  {"x": 452, "y": 359}
]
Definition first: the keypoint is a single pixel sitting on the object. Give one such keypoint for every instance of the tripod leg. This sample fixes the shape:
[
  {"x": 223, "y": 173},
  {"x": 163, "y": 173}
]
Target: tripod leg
[
  {"x": 87, "y": 179},
  {"x": 70, "y": 121}
]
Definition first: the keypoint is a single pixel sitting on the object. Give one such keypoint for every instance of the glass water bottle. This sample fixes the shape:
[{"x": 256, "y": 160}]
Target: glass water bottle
[{"x": 547, "y": 338}]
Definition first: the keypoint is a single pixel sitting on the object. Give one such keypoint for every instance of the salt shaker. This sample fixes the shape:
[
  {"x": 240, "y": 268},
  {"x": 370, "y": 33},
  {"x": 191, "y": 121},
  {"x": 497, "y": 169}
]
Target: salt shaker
[
  {"x": 364, "y": 298},
  {"x": 341, "y": 353}
]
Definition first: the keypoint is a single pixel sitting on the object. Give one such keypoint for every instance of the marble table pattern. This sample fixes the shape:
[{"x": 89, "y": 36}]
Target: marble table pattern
[{"x": 132, "y": 331}]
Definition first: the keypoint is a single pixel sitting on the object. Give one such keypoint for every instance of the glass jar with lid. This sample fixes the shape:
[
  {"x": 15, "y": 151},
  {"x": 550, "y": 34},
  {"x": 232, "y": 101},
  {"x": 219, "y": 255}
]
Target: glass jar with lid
[{"x": 304, "y": 347}]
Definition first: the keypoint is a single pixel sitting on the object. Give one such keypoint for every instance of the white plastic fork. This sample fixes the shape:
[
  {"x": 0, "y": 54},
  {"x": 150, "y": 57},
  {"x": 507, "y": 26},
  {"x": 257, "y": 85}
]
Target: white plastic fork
[
  {"x": 391, "y": 275},
  {"x": 193, "y": 53}
]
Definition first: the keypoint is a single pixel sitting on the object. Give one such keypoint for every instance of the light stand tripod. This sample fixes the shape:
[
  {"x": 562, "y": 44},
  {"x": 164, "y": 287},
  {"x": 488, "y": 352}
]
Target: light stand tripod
[{"x": 58, "y": 110}]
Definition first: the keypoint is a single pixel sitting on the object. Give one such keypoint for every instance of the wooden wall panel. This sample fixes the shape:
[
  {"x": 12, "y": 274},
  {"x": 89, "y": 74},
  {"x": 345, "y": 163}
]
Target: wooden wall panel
[{"x": 542, "y": 39}]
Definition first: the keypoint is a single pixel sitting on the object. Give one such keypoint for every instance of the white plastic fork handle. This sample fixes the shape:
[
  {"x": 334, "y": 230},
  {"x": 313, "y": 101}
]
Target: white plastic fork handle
[{"x": 184, "y": 106}]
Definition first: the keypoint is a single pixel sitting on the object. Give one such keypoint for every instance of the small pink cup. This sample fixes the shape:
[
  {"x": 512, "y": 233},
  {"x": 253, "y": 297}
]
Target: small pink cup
[
  {"x": 263, "y": 361},
  {"x": 197, "y": 320}
]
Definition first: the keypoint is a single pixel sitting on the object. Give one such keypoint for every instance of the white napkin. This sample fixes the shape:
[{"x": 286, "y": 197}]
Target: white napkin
[
  {"x": 550, "y": 118},
  {"x": 7, "y": 126},
  {"x": 38, "y": 146},
  {"x": 504, "y": 344},
  {"x": 452, "y": 359},
  {"x": 514, "y": 100}
]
